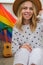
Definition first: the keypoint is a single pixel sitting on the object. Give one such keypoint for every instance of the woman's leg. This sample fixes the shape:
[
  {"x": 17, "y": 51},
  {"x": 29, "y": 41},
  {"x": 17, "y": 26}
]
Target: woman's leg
[
  {"x": 35, "y": 57},
  {"x": 21, "y": 57}
]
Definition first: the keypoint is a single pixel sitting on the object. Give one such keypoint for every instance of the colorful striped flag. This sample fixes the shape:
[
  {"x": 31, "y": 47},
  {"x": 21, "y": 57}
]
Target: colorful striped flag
[{"x": 7, "y": 21}]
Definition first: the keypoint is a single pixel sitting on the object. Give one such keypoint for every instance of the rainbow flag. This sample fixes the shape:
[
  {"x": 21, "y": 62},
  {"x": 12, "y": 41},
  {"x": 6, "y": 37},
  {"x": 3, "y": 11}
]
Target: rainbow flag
[{"x": 7, "y": 21}]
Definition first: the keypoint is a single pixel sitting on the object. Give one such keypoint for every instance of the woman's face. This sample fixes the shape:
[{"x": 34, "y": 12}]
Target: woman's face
[{"x": 27, "y": 10}]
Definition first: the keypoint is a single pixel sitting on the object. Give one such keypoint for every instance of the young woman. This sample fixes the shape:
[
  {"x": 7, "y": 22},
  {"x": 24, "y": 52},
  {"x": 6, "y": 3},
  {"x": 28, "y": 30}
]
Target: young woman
[{"x": 27, "y": 33}]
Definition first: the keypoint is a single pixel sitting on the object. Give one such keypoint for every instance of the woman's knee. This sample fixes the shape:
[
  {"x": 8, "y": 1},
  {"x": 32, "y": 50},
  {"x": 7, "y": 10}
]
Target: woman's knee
[{"x": 39, "y": 50}]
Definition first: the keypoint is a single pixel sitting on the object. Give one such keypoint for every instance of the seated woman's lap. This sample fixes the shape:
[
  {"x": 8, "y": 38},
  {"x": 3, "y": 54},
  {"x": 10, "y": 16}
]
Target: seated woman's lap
[{"x": 23, "y": 56}]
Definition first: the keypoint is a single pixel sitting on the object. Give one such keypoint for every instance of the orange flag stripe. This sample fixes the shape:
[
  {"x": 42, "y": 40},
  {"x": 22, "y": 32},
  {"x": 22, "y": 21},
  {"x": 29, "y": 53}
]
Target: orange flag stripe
[{"x": 6, "y": 14}]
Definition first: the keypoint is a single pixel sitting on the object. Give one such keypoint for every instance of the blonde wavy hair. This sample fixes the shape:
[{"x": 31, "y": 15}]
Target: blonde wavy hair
[{"x": 33, "y": 22}]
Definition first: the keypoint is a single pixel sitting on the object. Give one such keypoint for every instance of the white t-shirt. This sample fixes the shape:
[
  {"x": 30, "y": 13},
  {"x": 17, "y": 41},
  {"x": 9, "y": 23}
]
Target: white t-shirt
[{"x": 27, "y": 36}]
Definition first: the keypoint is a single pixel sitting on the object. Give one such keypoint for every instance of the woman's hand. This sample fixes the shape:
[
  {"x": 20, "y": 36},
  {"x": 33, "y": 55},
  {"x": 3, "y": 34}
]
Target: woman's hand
[{"x": 27, "y": 46}]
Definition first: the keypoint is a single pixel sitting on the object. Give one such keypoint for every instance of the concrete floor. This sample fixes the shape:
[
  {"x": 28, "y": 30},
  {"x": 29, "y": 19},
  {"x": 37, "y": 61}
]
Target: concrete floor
[{"x": 6, "y": 61}]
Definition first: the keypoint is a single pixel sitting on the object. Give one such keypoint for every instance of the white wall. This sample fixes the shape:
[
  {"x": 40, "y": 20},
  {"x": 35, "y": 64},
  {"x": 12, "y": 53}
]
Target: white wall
[
  {"x": 6, "y": 1},
  {"x": 42, "y": 3}
]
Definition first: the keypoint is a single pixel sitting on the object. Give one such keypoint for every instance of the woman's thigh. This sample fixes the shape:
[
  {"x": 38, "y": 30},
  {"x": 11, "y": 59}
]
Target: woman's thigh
[
  {"x": 21, "y": 57},
  {"x": 36, "y": 56}
]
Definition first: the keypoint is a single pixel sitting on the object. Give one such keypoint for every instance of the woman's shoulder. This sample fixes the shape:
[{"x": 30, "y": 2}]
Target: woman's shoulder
[
  {"x": 40, "y": 20},
  {"x": 15, "y": 29},
  {"x": 40, "y": 24}
]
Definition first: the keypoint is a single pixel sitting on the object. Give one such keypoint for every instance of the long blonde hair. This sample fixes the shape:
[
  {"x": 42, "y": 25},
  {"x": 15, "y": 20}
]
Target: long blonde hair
[{"x": 33, "y": 22}]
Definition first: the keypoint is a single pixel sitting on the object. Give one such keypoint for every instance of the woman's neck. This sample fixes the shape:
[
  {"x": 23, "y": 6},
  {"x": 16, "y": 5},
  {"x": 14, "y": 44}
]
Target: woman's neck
[{"x": 26, "y": 22}]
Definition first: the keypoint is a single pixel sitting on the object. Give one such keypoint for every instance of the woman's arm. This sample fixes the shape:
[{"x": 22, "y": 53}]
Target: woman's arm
[
  {"x": 41, "y": 34},
  {"x": 15, "y": 43}
]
